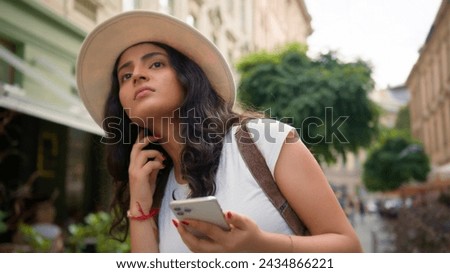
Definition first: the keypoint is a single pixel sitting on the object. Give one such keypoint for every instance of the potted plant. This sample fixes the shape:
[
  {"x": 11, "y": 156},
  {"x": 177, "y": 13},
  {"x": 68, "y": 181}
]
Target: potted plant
[{"x": 93, "y": 235}]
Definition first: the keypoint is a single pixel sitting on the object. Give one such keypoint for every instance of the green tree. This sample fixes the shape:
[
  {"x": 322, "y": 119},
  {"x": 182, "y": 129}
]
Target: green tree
[
  {"x": 324, "y": 98},
  {"x": 403, "y": 120},
  {"x": 394, "y": 161}
]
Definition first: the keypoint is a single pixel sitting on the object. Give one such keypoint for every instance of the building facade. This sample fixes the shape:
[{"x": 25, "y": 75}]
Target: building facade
[
  {"x": 390, "y": 101},
  {"x": 48, "y": 141},
  {"x": 239, "y": 27},
  {"x": 85, "y": 14},
  {"x": 276, "y": 23},
  {"x": 429, "y": 84},
  {"x": 236, "y": 27}
]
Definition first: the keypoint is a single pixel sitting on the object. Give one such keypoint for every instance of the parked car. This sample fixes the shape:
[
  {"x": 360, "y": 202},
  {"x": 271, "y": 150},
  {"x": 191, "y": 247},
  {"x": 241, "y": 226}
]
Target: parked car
[
  {"x": 371, "y": 206},
  {"x": 390, "y": 207}
]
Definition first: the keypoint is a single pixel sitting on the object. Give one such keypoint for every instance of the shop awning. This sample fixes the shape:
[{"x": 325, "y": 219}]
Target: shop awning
[
  {"x": 14, "y": 98},
  {"x": 68, "y": 110}
]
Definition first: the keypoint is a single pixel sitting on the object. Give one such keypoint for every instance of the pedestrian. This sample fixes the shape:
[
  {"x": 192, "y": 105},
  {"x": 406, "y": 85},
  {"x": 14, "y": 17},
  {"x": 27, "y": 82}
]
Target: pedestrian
[
  {"x": 350, "y": 210},
  {"x": 164, "y": 96},
  {"x": 362, "y": 208}
]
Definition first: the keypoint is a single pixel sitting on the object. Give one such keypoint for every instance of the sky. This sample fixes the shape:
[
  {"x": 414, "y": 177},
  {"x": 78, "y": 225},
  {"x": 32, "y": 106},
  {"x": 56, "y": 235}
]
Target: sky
[{"x": 386, "y": 33}]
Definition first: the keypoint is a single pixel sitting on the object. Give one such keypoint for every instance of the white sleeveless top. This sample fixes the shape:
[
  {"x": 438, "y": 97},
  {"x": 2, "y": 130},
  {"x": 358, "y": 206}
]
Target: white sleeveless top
[{"x": 236, "y": 189}]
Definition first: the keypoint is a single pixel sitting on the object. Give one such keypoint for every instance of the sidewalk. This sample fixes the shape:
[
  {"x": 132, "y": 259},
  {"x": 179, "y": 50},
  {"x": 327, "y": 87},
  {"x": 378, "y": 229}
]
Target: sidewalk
[{"x": 372, "y": 234}]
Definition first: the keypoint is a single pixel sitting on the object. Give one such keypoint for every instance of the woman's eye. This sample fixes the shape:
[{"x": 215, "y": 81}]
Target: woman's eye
[
  {"x": 126, "y": 76},
  {"x": 156, "y": 65}
]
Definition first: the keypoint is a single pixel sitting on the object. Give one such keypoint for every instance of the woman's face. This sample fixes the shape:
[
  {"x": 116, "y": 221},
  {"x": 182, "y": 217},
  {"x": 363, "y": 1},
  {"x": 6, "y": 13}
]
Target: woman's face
[{"x": 149, "y": 87}]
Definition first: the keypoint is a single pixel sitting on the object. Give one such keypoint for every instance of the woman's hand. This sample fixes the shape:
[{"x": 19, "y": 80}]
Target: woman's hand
[
  {"x": 143, "y": 169},
  {"x": 244, "y": 236}
]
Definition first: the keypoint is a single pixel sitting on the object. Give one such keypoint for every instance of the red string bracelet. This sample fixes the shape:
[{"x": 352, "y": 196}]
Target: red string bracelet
[{"x": 143, "y": 216}]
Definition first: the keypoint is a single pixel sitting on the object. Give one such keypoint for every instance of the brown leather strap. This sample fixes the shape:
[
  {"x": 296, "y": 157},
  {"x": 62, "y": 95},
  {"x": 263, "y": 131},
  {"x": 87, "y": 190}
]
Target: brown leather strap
[{"x": 258, "y": 167}]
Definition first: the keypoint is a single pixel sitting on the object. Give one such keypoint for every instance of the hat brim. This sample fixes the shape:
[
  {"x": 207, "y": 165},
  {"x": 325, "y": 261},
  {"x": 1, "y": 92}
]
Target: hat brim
[{"x": 108, "y": 40}]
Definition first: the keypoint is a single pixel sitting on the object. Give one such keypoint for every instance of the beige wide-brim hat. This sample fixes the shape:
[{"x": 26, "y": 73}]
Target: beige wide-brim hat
[{"x": 108, "y": 40}]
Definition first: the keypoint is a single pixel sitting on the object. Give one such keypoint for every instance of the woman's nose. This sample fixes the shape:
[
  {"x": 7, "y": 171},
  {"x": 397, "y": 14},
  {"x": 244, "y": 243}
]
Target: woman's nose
[{"x": 139, "y": 75}]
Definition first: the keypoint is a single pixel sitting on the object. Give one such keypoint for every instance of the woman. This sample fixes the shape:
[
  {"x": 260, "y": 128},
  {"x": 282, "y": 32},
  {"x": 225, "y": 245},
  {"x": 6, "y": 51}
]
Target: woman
[{"x": 170, "y": 134}]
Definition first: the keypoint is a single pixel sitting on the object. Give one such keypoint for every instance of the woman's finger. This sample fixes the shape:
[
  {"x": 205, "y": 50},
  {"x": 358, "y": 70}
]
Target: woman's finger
[
  {"x": 152, "y": 155},
  {"x": 141, "y": 142},
  {"x": 152, "y": 166},
  {"x": 237, "y": 220},
  {"x": 193, "y": 242},
  {"x": 209, "y": 230},
  {"x": 145, "y": 156}
]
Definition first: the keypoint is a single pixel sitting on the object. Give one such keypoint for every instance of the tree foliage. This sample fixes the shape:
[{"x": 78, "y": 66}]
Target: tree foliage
[
  {"x": 403, "y": 120},
  {"x": 95, "y": 228},
  {"x": 394, "y": 161},
  {"x": 324, "y": 98}
]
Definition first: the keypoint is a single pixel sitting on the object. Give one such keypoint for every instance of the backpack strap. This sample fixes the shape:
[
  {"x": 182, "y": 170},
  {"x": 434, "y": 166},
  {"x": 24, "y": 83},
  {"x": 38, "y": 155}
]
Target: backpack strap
[{"x": 257, "y": 165}]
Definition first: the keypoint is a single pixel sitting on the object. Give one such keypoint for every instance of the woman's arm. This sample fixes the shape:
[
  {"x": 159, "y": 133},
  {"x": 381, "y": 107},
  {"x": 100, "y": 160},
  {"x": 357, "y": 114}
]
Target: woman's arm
[
  {"x": 306, "y": 188},
  {"x": 143, "y": 236},
  {"x": 143, "y": 169}
]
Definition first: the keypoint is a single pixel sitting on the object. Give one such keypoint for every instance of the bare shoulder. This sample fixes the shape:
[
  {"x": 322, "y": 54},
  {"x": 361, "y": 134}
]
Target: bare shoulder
[
  {"x": 303, "y": 183},
  {"x": 294, "y": 153}
]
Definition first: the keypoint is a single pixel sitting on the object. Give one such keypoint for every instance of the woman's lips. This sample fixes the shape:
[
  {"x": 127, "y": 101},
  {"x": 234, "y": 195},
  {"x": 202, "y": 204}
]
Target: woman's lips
[{"x": 142, "y": 92}]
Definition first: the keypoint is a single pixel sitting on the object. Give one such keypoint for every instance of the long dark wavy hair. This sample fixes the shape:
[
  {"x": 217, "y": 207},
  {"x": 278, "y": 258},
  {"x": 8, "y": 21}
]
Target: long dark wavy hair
[{"x": 205, "y": 118}]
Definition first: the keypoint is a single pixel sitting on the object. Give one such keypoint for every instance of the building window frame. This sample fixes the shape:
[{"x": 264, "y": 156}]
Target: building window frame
[
  {"x": 7, "y": 71},
  {"x": 89, "y": 8}
]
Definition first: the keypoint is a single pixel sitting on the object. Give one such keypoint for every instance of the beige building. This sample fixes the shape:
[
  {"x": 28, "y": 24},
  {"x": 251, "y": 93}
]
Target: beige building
[
  {"x": 226, "y": 23},
  {"x": 237, "y": 27},
  {"x": 390, "y": 101},
  {"x": 346, "y": 175},
  {"x": 278, "y": 22},
  {"x": 429, "y": 83},
  {"x": 84, "y": 13}
]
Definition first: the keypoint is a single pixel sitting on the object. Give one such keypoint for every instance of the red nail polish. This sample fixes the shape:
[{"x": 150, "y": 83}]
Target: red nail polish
[
  {"x": 185, "y": 223},
  {"x": 175, "y": 223},
  {"x": 229, "y": 215}
]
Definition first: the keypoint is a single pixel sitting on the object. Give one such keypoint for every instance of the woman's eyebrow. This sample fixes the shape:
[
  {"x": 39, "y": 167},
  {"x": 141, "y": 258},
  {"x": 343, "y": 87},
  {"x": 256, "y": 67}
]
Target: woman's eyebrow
[{"x": 143, "y": 58}]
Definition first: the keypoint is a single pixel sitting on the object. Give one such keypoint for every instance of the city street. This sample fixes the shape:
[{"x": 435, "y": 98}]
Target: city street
[{"x": 373, "y": 234}]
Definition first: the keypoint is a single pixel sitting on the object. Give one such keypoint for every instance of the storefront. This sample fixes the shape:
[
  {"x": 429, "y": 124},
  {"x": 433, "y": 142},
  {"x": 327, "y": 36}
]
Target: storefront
[{"x": 49, "y": 146}]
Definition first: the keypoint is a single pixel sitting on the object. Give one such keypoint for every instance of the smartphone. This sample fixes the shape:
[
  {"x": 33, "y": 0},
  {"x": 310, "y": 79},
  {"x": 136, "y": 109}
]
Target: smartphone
[{"x": 200, "y": 208}]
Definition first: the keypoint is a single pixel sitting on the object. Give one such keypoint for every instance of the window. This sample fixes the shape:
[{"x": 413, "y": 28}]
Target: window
[
  {"x": 130, "y": 5},
  {"x": 191, "y": 20},
  {"x": 444, "y": 64},
  {"x": 7, "y": 72},
  {"x": 87, "y": 7},
  {"x": 166, "y": 6},
  {"x": 230, "y": 6},
  {"x": 243, "y": 13}
]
